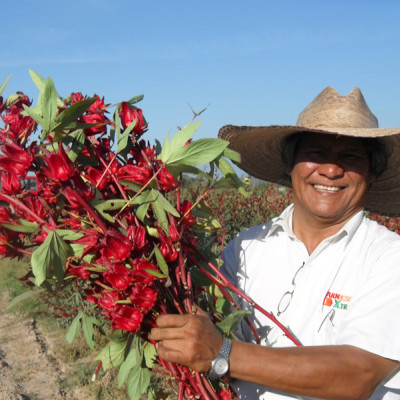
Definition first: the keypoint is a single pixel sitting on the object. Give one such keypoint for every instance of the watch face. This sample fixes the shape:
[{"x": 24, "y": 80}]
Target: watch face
[{"x": 221, "y": 366}]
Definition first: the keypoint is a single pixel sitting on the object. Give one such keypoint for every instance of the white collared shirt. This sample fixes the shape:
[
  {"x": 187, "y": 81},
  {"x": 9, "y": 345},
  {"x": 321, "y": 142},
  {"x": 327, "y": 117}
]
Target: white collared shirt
[{"x": 347, "y": 292}]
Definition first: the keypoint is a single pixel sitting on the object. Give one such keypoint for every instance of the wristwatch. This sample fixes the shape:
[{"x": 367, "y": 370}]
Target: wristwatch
[{"x": 220, "y": 365}]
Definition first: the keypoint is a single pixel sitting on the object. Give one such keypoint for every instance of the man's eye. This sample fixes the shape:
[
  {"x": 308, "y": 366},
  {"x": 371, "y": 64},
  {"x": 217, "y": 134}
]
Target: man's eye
[
  {"x": 351, "y": 156},
  {"x": 316, "y": 153}
]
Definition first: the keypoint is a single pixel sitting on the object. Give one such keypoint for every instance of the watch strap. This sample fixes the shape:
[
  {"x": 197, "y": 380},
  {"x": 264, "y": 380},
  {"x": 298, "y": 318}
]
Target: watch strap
[{"x": 224, "y": 353}]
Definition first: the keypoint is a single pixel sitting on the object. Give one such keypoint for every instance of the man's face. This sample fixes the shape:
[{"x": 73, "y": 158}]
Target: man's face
[{"x": 330, "y": 177}]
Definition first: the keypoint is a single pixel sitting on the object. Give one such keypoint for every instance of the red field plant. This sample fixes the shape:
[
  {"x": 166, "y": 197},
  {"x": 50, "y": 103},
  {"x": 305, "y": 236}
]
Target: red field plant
[{"x": 89, "y": 201}]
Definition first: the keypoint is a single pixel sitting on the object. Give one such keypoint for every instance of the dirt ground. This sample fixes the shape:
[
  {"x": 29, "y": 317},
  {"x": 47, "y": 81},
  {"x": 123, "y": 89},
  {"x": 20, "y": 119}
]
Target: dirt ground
[{"x": 29, "y": 368}]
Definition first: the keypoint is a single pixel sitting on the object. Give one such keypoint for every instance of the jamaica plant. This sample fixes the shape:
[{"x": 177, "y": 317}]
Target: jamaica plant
[{"x": 90, "y": 202}]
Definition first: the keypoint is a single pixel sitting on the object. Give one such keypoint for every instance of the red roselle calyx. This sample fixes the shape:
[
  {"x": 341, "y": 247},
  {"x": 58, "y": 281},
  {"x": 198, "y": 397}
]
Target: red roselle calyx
[
  {"x": 59, "y": 166},
  {"x": 130, "y": 113},
  {"x": 16, "y": 160}
]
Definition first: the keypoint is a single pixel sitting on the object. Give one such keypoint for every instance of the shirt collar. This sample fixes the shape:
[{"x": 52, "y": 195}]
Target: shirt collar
[{"x": 284, "y": 223}]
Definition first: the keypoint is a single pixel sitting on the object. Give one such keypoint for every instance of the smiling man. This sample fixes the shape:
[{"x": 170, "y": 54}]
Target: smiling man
[{"x": 331, "y": 275}]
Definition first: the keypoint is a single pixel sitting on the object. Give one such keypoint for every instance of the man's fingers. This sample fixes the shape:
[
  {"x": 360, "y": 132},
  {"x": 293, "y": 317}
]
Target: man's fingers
[
  {"x": 170, "y": 351},
  {"x": 158, "y": 334},
  {"x": 182, "y": 352},
  {"x": 175, "y": 327},
  {"x": 172, "y": 320},
  {"x": 169, "y": 327}
]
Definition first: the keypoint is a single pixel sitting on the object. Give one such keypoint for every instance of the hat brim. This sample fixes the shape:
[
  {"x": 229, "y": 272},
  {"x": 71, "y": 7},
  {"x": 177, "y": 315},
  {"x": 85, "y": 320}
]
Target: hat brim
[{"x": 260, "y": 148}]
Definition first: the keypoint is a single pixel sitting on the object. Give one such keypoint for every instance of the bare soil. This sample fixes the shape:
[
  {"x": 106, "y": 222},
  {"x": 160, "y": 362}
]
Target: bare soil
[{"x": 30, "y": 368}]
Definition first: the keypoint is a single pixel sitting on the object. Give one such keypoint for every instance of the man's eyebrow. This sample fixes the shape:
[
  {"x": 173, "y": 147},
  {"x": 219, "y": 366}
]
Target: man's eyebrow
[{"x": 353, "y": 150}]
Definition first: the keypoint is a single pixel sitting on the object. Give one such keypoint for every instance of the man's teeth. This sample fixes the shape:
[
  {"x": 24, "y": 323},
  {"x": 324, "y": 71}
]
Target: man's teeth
[{"x": 328, "y": 188}]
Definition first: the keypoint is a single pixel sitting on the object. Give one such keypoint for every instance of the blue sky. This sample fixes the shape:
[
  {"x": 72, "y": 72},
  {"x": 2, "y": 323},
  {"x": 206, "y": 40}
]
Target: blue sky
[{"x": 254, "y": 62}]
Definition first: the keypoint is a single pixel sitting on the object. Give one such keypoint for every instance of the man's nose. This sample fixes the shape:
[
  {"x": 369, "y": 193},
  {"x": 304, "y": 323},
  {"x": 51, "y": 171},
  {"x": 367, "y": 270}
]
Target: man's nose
[{"x": 331, "y": 169}]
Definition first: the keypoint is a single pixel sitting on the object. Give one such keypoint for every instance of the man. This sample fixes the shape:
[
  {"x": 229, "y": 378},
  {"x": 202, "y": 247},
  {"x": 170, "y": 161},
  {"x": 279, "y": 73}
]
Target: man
[{"x": 329, "y": 274}]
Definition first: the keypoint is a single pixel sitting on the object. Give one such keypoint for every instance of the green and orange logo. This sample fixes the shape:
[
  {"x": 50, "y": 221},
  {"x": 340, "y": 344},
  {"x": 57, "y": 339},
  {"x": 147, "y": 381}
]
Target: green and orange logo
[{"x": 336, "y": 300}]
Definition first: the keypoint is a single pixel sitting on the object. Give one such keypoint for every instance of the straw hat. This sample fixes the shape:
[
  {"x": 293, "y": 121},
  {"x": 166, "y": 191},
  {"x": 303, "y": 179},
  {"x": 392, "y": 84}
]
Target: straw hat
[{"x": 260, "y": 147}]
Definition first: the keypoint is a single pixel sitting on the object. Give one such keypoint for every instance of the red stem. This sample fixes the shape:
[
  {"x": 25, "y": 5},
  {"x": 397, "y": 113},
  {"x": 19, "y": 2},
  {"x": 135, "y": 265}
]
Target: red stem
[
  {"x": 206, "y": 389},
  {"x": 122, "y": 191},
  {"x": 20, "y": 204}
]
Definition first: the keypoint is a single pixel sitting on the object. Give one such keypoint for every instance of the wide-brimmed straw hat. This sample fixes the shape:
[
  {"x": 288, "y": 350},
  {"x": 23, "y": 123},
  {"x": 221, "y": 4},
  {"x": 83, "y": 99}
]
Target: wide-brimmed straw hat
[{"x": 260, "y": 147}]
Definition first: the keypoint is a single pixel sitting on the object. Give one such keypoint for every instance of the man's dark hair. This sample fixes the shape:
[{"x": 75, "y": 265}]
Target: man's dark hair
[{"x": 378, "y": 156}]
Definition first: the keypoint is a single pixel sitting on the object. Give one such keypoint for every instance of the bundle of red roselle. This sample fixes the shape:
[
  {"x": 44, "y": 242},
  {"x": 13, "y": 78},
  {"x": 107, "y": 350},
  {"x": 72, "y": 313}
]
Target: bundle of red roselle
[{"x": 89, "y": 201}]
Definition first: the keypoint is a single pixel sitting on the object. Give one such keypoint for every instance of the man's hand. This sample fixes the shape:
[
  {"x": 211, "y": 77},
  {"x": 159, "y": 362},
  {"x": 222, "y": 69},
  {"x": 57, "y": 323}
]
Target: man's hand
[{"x": 191, "y": 339}]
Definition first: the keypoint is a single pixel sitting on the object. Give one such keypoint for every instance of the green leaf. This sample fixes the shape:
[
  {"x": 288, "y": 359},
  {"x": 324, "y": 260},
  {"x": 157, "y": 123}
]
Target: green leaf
[
  {"x": 232, "y": 154},
  {"x": 178, "y": 142},
  {"x": 160, "y": 215},
  {"x": 181, "y": 138},
  {"x": 150, "y": 354},
  {"x": 50, "y": 258},
  {"x": 161, "y": 206},
  {"x": 136, "y": 99},
  {"x": 232, "y": 321},
  {"x": 224, "y": 166},
  {"x": 176, "y": 170},
  {"x": 133, "y": 360},
  {"x": 142, "y": 211},
  {"x": 231, "y": 179},
  {"x": 155, "y": 273},
  {"x": 2, "y": 87},
  {"x": 34, "y": 115},
  {"x": 78, "y": 249},
  {"x": 26, "y": 226},
  {"x": 222, "y": 306},
  {"x": 153, "y": 232},
  {"x": 68, "y": 234},
  {"x": 199, "y": 278},
  {"x": 88, "y": 331},
  {"x": 224, "y": 183},
  {"x": 166, "y": 149},
  {"x": 37, "y": 80},
  {"x": 49, "y": 103},
  {"x": 203, "y": 210},
  {"x": 215, "y": 291},
  {"x": 208, "y": 222},
  {"x": 112, "y": 354},
  {"x": 135, "y": 187},
  {"x": 72, "y": 113},
  {"x": 24, "y": 296},
  {"x": 117, "y": 129},
  {"x": 77, "y": 138},
  {"x": 124, "y": 138},
  {"x": 166, "y": 205},
  {"x": 12, "y": 99},
  {"x": 199, "y": 152},
  {"x": 158, "y": 146},
  {"x": 161, "y": 261},
  {"x": 110, "y": 205},
  {"x": 138, "y": 382},
  {"x": 144, "y": 200},
  {"x": 74, "y": 328}
]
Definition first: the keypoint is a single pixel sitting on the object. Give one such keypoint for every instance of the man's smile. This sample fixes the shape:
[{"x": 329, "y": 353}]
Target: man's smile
[{"x": 327, "y": 188}]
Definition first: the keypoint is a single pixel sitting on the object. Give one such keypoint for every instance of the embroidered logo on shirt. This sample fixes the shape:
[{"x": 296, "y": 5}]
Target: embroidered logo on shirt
[{"x": 336, "y": 300}]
